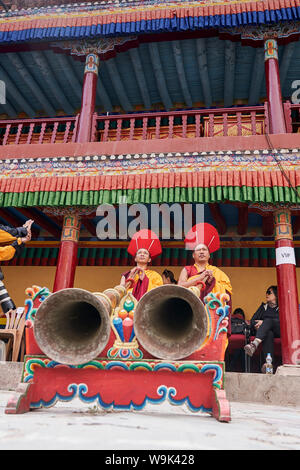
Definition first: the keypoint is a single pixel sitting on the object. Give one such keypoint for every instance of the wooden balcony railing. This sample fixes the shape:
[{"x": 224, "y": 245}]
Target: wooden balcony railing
[
  {"x": 196, "y": 123},
  {"x": 292, "y": 117},
  {"x": 38, "y": 131},
  {"x": 182, "y": 124}
]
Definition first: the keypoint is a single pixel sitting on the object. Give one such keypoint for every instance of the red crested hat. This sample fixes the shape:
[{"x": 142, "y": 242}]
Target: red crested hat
[
  {"x": 204, "y": 234},
  {"x": 146, "y": 239}
]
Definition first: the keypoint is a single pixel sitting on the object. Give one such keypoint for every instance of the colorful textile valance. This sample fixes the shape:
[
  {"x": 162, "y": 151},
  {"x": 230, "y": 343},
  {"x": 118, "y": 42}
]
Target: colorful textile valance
[
  {"x": 190, "y": 187},
  {"x": 143, "y": 19}
]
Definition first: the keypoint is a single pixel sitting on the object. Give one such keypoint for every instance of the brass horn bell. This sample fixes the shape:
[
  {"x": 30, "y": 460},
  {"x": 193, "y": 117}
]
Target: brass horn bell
[
  {"x": 72, "y": 326},
  {"x": 170, "y": 322}
]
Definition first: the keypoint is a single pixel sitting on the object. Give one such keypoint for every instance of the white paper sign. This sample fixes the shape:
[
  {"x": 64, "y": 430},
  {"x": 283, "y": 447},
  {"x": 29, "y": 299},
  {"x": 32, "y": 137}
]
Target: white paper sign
[{"x": 285, "y": 255}]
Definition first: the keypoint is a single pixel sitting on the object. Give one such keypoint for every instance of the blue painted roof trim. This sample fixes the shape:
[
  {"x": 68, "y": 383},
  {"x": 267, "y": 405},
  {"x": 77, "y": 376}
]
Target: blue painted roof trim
[{"x": 162, "y": 25}]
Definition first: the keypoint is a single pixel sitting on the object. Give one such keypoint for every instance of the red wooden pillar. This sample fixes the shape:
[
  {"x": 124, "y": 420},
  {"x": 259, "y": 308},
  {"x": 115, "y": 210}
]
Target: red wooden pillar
[
  {"x": 287, "y": 287},
  {"x": 88, "y": 100},
  {"x": 274, "y": 97},
  {"x": 67, "y": 257}
]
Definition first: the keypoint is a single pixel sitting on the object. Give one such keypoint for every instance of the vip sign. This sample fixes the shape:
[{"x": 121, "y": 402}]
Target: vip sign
[{"x": 285, "y": 255}]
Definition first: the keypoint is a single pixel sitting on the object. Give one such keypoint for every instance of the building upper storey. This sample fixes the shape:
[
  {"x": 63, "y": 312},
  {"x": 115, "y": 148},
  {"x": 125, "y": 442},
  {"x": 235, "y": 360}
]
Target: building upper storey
[
  {"x": 151, "y": 102},
  {"x": 167, "y": 69},
  {"x": 154, "y": 55}
]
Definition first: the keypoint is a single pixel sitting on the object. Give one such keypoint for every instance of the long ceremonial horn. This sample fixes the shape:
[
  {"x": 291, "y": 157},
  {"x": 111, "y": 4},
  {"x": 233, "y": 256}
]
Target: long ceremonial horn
[
  {"x": 72, "y": 326},
  {"x": 170, "y": 322}
]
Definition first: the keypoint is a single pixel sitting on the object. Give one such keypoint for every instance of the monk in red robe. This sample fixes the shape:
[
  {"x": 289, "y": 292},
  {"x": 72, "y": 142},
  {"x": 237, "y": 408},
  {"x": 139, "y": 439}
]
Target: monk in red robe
[
  {"x": 204, "y": 240},
  {"x": 140, "y": 279}
]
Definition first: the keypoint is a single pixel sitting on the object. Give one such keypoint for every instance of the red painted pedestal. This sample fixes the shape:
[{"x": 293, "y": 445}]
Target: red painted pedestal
[
  {"x": 142, "y": 382},
  {"x": 125, "y": 376}
]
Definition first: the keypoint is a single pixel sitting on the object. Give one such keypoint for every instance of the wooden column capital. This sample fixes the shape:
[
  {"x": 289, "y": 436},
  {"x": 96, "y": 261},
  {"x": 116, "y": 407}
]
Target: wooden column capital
[
  {"x": 92, "y": 63},
  {"x": 271, "y": 48},
  {"x": 283, "y": 224},
  {"x": 71, "y": 228}
]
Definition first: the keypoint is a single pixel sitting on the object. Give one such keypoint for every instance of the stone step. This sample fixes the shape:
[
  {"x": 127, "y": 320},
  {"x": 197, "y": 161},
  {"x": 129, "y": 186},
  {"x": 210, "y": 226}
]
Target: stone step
[
  {"x": 10, "y": 374},
  {"x": 282, "y": 388},
  {"x": 278, "y": 389}
]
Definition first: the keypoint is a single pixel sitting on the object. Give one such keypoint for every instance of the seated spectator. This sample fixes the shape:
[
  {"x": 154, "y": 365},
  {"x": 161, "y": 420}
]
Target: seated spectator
[
  {"x": 168, "y": 277},
  {"x": 144, "y": 246},
  {"x": 265, "y": 325},
  {"x": 235, "y": 359},
  {"x": 239, "y": 313},
  {"x": 239, "y": 326}
]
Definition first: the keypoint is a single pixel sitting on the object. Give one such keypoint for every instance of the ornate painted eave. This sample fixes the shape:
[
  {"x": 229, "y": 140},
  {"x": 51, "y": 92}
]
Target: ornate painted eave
[
  {"x": 86, "y": 21},
  {"x": 252, "y": 256},
  {"x": 269, "y": 177}
]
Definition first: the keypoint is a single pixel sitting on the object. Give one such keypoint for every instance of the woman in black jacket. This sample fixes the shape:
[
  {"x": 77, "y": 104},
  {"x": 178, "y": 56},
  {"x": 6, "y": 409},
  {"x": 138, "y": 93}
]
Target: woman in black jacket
[{"x": 265, "y": 325}]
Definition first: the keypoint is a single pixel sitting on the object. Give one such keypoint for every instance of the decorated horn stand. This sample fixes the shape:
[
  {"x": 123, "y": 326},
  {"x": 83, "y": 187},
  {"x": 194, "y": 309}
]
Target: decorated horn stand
[{"x": 169, "y": 346}]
